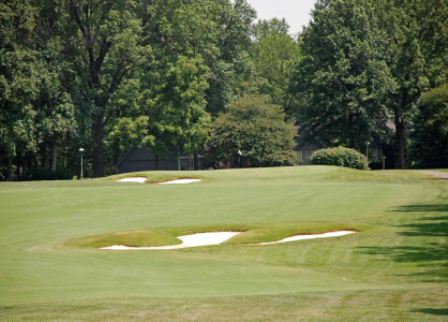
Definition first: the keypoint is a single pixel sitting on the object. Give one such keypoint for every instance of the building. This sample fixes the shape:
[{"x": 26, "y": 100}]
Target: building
[{"x": 144, "y": 159}]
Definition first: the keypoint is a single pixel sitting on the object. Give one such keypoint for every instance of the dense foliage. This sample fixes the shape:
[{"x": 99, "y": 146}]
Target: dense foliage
[
  {"x": 429, "y": 147},
  {"x": 340, "y": 156},
  {"x": 116, "y": 75},
  {"x": 365, "y": 65},
  {"x": 253, "y": 132}
]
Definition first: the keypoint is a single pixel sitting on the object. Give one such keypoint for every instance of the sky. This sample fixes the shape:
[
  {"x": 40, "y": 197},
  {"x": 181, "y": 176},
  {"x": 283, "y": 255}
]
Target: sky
[{"x": 296, "y": 12}]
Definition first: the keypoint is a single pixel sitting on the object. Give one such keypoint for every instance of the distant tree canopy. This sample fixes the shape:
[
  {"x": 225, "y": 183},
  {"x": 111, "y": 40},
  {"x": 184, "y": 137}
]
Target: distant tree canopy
[
  {"x": 366, "y": 63},
  {"x": 274, "y": 54},
  {"x": 429, "y": 148},
  {"x": 120, "y": 74},
  {"x": 342, "y": 82},
  {"x": 254, "y": 130}
]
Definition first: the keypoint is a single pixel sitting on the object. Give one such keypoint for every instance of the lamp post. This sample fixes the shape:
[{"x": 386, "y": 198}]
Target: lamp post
[{"x": 81, "y": 151}]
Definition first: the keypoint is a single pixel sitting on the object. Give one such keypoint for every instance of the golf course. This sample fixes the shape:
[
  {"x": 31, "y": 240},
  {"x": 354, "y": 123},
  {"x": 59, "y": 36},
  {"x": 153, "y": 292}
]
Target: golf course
[{"x": 394, "y": 268}]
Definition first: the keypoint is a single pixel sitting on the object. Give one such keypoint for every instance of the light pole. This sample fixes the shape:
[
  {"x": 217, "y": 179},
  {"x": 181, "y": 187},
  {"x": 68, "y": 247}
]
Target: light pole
[{"x": 81, "y": 151}]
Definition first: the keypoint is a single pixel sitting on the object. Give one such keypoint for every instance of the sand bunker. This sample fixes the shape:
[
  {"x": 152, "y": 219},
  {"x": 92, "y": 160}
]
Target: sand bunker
[
  {"x": 182, "y": 181},
  {"x": 133, "y": 180},
  {"x": 188, "y": 241},
  {"x": 315, "y": 236}
]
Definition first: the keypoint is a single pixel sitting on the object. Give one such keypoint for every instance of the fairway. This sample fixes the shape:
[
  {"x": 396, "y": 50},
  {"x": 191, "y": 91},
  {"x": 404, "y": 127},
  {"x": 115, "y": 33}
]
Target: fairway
[{"x": 395, "y": 268}]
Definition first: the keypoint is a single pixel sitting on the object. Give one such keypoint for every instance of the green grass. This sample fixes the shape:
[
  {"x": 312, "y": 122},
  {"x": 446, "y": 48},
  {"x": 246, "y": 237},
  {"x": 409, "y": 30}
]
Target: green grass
[{"x": 395, "y": 268}]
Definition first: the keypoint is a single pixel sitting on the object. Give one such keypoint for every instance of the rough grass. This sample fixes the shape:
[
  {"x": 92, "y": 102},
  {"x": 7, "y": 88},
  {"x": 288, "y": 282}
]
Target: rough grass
[
  {"x": 249, "y": 234},
  {"x": 395, "y": 269},
  {"x": 158, "y": 177}
]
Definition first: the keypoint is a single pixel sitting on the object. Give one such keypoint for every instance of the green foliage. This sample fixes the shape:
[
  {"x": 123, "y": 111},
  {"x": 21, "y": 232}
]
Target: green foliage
[
  {"x": 429, "y": 146},
  {"x": 178, "y": 104},
  {"x": 265, "y": 28},
  {"x": 342, "y": 81},
  {"x": 340, "y": 156},
  {"x": 256, "y": 128},
  {"x": 129, "y": 133},
  {"x": 216, "y": 30},
  {"x": 274, "y": 54},
  {"x": 47, "y": 174}
]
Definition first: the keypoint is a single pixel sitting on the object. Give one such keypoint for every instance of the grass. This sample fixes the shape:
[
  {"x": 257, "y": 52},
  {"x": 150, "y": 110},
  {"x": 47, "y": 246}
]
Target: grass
[{"x": 395, "y": 269}]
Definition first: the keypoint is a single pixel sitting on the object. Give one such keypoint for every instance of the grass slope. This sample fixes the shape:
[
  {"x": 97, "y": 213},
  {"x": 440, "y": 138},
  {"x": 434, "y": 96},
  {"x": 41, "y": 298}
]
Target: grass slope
[{"x": 395, "y": 269}]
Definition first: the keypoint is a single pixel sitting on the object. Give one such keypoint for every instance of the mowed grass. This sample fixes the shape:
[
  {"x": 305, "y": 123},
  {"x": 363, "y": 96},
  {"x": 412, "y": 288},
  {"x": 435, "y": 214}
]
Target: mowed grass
[{"x": 394, "y": 269}]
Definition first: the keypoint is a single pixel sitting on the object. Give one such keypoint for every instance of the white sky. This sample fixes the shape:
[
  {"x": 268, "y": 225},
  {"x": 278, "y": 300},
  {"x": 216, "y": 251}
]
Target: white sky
[{"x": 296, "y": 12}]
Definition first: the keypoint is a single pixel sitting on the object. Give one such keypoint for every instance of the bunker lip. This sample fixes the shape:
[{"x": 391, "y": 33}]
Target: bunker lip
[
  {"x": 188, "y": 241},
  {"x": 332, "y": 234},
  {"x": 133, "y": 180},
  {"x": 182, "y": 181}
]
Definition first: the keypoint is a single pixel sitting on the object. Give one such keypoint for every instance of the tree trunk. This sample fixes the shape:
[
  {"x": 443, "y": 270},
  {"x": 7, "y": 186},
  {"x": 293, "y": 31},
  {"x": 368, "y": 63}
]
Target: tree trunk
[
  {"x": 54, "y": 157},
  {"x": 400, "y": 140},
  {"x": 98, "y": 147},
  {"x": 8, "y": 168},
  {"x": 350, "y": 134},
  {"x": 195, "y": 160}
]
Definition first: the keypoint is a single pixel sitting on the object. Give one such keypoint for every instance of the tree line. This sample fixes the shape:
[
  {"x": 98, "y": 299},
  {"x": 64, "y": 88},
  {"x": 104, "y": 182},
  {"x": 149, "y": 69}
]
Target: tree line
[{"x": 182, "y": 75}]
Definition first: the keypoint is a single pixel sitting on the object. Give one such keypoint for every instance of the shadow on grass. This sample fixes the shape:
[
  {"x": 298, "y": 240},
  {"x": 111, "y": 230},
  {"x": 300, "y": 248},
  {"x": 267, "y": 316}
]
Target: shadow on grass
[
  {"x": 422, "y": 208},
  {"x": 440, "y": 312},
  {"x": 427, "y": 244}
]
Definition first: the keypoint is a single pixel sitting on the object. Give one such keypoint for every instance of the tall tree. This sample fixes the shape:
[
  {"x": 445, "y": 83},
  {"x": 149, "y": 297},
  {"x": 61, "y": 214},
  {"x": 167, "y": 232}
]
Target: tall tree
[
  {"x": 19, "y": 82},
  {"x": 177, "y": 107},
  {"x": 416, "y": 55},
  {"x": 265, "y": 28},
  {"x": 216, "y": 30},
  {"x": 429, "y": 146},
  {"x": 254, "y": 129},
  {"x": 275, "y": 55},
  {"x": 342, "y": 81},
  {"x": 105, "y": 47},
  {"x": 198, "y": 60}
]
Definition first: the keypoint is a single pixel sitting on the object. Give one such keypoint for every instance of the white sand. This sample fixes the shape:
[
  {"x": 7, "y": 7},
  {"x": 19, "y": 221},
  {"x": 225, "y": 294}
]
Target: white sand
[
  {"x": 182, "y": 181},
  {"x": 315, "y": 236},
  {"x": 188, "y": 241},
  {"x": 133, "y": 180}
]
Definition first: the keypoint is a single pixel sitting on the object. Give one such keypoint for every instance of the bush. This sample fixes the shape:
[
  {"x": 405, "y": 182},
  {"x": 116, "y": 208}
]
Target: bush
[
  {"x": 254, "y": 130},
  {"x": 340, "y": 156},
  {"x": 46, "y": 174}
]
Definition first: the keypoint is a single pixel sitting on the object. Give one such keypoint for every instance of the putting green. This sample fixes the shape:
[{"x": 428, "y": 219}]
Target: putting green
[{"x": 401, "y": 247}]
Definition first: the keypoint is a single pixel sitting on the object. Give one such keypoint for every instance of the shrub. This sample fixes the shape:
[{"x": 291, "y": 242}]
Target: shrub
[
  {"x": 254, "y": 130},
  {"x": 340, "y": 156}
]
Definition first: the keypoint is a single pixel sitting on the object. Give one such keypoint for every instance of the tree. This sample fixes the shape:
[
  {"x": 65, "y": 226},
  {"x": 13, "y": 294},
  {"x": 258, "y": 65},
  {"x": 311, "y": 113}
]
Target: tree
[
  {"x": 105, "y": 48},
  {"x": 417, "y": 57},
  {"x": 198, "y": 60},
  {"x": 55, "y": 120},
  {"x": 177, "y": 106},
  {"x": 265, "y": 28},
  {"x": 254, "y": 129},
  {"x": 342, "y": 81},
  {"x": 218, "y": 31},
  {"x": 429, "y": 146},
  {"x": 274, "y": 54},
  {"x": 19, "y": 82}
]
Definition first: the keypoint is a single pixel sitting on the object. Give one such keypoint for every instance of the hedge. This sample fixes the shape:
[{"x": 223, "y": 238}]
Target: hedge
[{"x": 340, "y": 156}]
